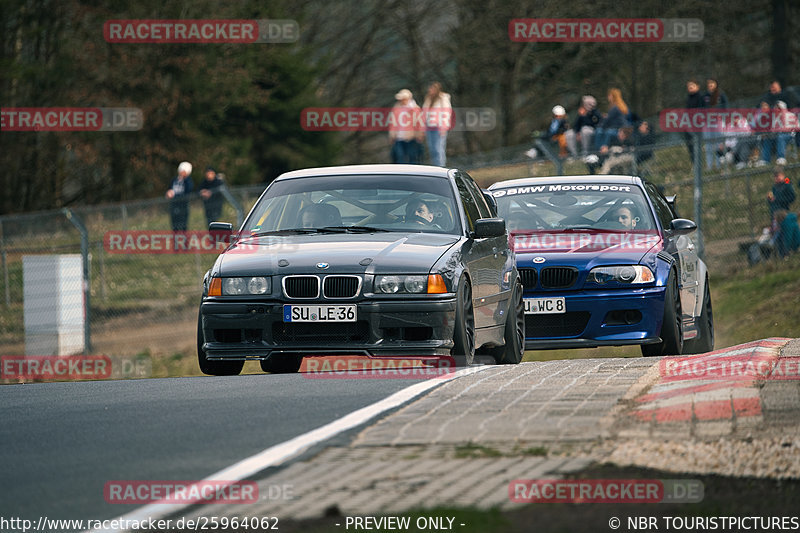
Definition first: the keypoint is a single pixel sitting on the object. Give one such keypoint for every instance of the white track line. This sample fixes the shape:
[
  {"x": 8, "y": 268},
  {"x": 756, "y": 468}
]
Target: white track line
[{"x": 279, "y": 453}]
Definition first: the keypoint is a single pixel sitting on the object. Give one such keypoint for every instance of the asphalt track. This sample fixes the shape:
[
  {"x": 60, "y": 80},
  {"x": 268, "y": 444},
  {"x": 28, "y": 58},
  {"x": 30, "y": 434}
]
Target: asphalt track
[{"x": 61, "y": 442}]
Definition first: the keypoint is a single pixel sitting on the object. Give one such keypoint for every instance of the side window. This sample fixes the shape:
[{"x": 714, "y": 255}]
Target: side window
[
  {"x": 483, "y": 208},
  {"x": 470, "y": 207},
  {"x": 663, "y": 210}
]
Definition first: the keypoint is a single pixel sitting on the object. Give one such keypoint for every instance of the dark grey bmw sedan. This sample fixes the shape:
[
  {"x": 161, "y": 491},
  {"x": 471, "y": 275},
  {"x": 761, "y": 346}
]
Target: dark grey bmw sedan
[{"x": 372, "y": 260}]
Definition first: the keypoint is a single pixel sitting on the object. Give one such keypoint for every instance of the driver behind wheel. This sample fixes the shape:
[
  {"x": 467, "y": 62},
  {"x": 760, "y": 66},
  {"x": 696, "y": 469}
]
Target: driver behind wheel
[
  {"x": 625, "y": 217},
  {"x": 417, "y": 211}
]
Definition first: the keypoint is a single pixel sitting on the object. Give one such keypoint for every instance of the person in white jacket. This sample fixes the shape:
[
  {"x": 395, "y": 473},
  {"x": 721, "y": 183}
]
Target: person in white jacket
[{"x": 439, "y": 119}]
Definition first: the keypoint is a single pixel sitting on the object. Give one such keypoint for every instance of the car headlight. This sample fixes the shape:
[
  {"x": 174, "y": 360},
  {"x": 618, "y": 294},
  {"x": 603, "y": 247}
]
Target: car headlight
[
  {"x": 411, "y": 284},
  {"x": 626, "y": 275},
  {"x": 245, "y": 286}
]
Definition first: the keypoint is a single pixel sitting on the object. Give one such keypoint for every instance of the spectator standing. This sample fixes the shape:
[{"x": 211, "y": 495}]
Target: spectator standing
[
  {"x": 556, "y": 131},
  {"x": 713, "y": 98},
  {"x": 782, "y": 195},
  {"x": 438, "y": 121},
  {"x": 584, "y": 127},
  {"x": 615, "y": 119},
  {"x": 694, "y": 100},
  {"x": 211, "y": 194},
  {"x": 405, "y": 138},
  {"x": 775, "y": 141},
  {"x": 178, "y": 193},
  {"x": 776, "y": 94}
]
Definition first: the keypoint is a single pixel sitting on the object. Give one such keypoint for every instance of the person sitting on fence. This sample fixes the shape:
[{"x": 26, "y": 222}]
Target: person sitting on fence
[
  {"x": 615, "y": 119},
  {"x": 584, "y": 127},
  {"x": 556, "y": 132},
  {"x": 787, "y": 236},
  {"x": 631, "y": 145}
]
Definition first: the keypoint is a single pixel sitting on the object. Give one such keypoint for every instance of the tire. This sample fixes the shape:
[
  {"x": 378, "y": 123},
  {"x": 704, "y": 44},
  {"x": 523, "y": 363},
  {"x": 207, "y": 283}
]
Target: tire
[
  {"x": 671, "y": 325},
  {"x": 282, "y": 364},
  {"x": 464, "y": 331},
  {"x": 215, "y": 368},
  {"x": 704, "y": 342},
  {"x": 511, "y": 353}
]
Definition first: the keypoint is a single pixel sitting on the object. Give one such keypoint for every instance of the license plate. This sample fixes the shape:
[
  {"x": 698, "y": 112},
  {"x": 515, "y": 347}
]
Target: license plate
[
  {"x": 545, "y": 306},
  {"x": 319, "y": 313}
]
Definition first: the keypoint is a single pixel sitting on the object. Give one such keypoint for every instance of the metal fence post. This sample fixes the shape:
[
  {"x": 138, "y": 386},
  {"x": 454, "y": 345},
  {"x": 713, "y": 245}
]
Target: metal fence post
[
  {"x": 102, "y": 267},
  {"x": 87, "y": 331},
  {"x": 5, "y": 266},
  {"x": 698, "y": 194},
  {"x": 551, "y": 156},
  {"x": 235, "y": 203}
]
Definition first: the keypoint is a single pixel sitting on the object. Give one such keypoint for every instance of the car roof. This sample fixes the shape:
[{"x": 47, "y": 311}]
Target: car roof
[
  {"x": 367, "y": 170},
  {"x": 593, "y": 178}
]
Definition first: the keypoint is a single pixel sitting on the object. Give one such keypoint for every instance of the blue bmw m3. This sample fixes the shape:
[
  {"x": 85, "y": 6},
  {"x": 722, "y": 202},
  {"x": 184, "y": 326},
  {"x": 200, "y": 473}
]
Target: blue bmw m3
[{"x": 605, "y": 261}]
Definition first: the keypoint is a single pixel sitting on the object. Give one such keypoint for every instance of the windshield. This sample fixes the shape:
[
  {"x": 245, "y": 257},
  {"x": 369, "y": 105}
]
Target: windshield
[
  {"x": 356, "y": 204},
  {"x": 574, "y": 206}
]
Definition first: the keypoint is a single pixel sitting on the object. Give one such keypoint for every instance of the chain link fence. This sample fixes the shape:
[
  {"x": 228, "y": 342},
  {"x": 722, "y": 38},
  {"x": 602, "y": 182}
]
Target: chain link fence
[
  {"x": 130, "y": 303},
  {"x": 127, "y": 300}
]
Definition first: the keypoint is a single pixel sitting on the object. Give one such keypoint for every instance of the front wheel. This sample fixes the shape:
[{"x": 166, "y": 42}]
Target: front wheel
[
  {"x": 671, "y": 325},
  {"x": 464, "y": 334},
  {"x": 214, "y": 368},
  {"x": 511, "y": 353},
  {"x": 704, "y": 342}
]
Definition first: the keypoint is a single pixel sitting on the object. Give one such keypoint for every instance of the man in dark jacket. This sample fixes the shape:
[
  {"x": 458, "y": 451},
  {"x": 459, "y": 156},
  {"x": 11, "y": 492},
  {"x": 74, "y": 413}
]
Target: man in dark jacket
[
  {"x": 694, "y": 100},
  {"x": 178, "y": 194},
  {"x": 212, "y": 197},
  {"x": 584, "y": 126},
  {"x": 782, "y": 194}
]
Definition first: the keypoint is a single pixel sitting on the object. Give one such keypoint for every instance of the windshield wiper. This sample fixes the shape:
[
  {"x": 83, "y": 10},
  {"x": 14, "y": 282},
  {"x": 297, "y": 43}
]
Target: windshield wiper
[
  {"x": 292, "y": 231},
  {"x": 354, "y": 229}
]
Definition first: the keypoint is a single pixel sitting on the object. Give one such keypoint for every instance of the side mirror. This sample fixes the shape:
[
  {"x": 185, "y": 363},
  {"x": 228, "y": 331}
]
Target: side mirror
[
  {"x": 221, "y": 226},
  {"x": 682, "y": 226},
  {"x": 489, "y": 227}
]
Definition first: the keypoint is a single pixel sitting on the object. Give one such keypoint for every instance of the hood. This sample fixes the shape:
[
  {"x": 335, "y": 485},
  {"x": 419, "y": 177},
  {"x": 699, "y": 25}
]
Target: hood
[
  {"x": 378, "y": 253},
  {"x": 579, "y": 247}
]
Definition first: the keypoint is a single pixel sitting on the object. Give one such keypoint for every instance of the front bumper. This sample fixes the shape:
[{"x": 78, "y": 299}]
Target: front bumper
[
  {"x": 597, "y": 318},
  {"x": 256, "y": 330}
]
